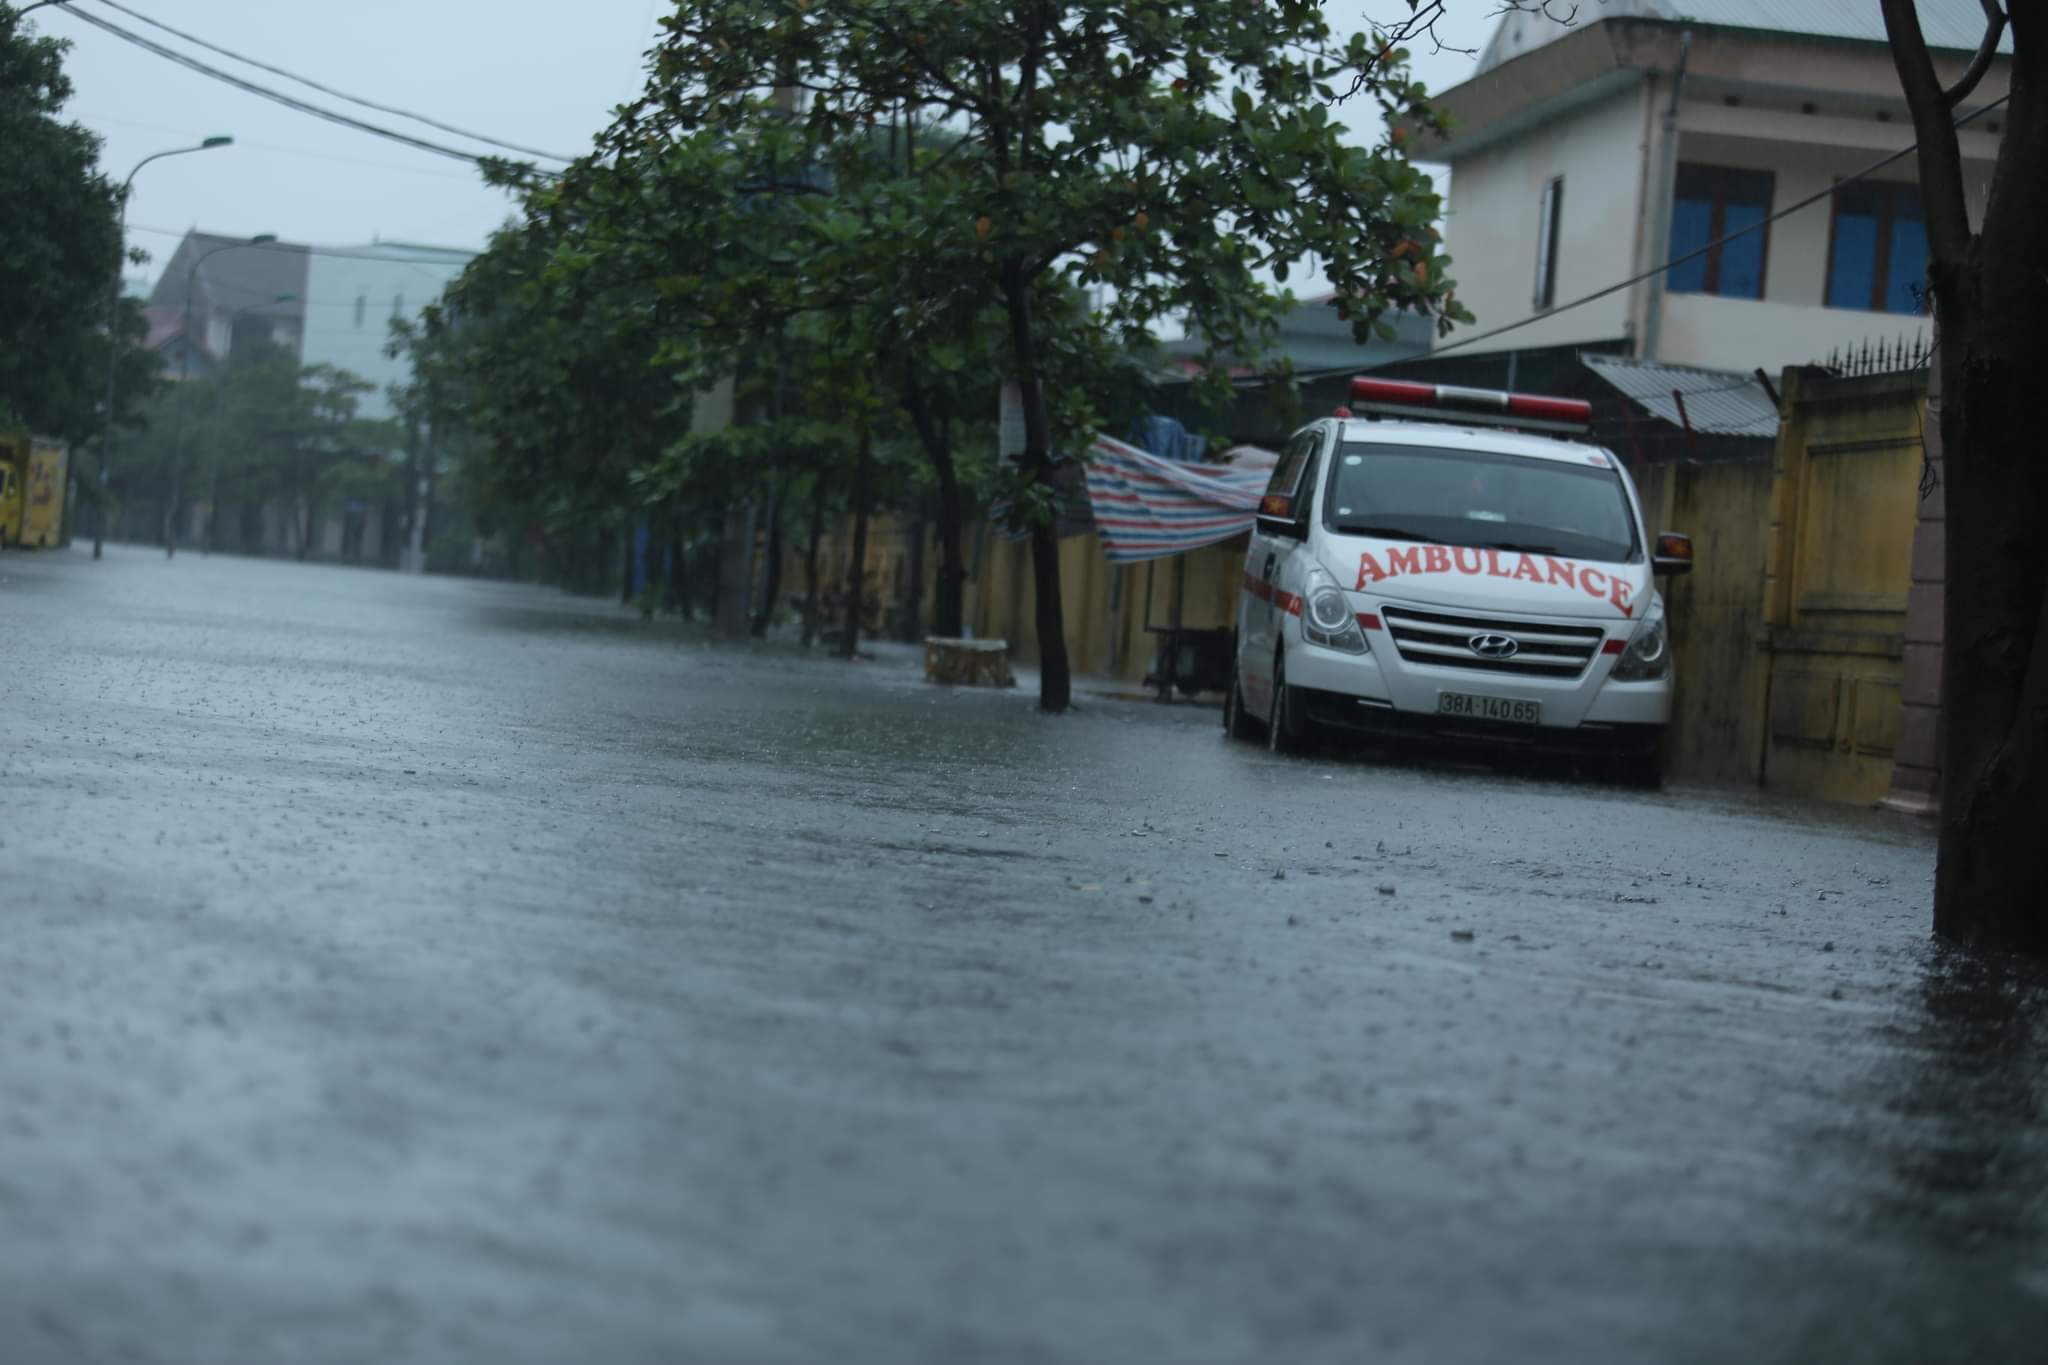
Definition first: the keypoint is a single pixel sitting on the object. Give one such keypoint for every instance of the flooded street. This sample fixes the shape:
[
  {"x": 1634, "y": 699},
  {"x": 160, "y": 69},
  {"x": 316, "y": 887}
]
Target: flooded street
[{"x": 424, "y": 970}]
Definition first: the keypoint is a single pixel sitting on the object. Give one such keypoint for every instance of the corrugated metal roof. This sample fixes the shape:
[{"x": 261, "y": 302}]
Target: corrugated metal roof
[
  {"x": 1946, "y": 23},
  {"x": 1716, "y": 403}
]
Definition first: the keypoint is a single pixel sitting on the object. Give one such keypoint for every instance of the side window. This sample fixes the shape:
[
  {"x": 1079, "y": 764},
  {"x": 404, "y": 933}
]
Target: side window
[
  {"x": 1549, "y": 217},
  {"x": 1711, "y": 202},
  {"x": 1284, "y": 493}
]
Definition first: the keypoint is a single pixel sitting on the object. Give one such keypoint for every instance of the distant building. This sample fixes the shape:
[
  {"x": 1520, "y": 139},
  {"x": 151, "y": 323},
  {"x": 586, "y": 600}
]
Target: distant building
[
  {"x": 354, "y": 294},
  {"x": 330, "y": 305},
  {"x": 234, "y": 293},
  {"x": 219, "y": 295}
]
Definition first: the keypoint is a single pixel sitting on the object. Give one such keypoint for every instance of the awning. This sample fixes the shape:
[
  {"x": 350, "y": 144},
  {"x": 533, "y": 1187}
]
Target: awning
[
  {"x": 1147, "y": 507},
  {"x": 1716, "y": 403}
]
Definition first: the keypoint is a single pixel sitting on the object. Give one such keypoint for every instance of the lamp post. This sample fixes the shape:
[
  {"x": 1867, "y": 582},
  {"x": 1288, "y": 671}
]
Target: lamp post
[
  {"x": 185, "y": 397},
  {"x": 99, "y": 520}
]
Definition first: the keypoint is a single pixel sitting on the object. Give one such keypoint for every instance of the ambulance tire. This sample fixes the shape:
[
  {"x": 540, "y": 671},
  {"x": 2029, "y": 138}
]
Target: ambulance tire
[
  {"x": 1640, "y": 772},
  {"x": 1238, "y": 722},
  {"x": 1287, "y": 729}
]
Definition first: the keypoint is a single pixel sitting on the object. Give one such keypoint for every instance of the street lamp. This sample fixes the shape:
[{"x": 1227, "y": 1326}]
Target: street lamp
[
  {"x": 184, "y": 396},
  {"x": 99, "y": 521}
]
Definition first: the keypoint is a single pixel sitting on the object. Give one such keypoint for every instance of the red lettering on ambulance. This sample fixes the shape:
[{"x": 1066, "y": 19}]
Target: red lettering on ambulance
[
  {"x": 1403, "y": 561},
  {"x": 1525, "y": 567},
  {"x": 1493, "y": 567},
  {"x": 1586, "y": 584},
  {"x": 1618, "y": 593},
  {"x": 1436, "y": 559},
  {"x": 1460, "y": 553},
  {"x": 1369, "y": 570},
  {"x": 1561, "y": 571}
]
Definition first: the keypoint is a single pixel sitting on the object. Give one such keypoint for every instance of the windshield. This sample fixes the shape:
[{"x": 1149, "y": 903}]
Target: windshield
[{"x": 1466, "y": 497}]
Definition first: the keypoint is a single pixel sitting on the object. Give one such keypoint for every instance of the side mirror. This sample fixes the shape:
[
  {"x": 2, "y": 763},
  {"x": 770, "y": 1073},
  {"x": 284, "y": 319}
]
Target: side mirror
[
  {"x": 1277, "y": 517},
  {"x": 1673, "y": 555}
]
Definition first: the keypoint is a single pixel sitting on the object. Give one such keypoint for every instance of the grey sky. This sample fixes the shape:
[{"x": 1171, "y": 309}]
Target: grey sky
[{"x": 538, "y": 72}]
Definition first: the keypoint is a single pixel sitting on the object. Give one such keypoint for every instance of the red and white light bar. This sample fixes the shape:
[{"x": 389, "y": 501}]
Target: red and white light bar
[{"x": 1450, "y": 402}]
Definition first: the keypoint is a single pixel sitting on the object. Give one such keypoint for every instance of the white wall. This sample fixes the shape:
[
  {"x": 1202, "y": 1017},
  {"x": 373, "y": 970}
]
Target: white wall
[
  {"x": 1790, "y": 325},
  {"x": 351, "y": 300},
  {"x": 1496, "y": 196}
]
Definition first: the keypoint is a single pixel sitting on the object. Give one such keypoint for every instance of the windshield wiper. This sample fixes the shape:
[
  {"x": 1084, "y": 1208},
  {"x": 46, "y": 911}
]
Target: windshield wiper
[
  {"x": 1521, "y": 548},
  {"x": 1383, "y": 532}
]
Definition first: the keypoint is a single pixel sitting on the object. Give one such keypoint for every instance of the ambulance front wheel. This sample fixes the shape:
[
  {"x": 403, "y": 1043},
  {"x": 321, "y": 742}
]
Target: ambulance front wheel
[{"x": 1287, "y": 728}]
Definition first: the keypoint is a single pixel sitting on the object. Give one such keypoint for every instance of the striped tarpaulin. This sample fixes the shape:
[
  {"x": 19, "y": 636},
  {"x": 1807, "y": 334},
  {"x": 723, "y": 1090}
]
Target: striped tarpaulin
[{"x": 1147, "y": 507}]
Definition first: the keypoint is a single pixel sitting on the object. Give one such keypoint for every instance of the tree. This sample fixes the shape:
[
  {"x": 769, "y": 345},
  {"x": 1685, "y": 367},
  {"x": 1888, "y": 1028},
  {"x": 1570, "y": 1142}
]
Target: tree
[
  {"x": 268, "y": 430},
  {"x": 1170, "y": 151},
  {"x": 59, "y": 244},
  {"x": 1990, "y": 289}
]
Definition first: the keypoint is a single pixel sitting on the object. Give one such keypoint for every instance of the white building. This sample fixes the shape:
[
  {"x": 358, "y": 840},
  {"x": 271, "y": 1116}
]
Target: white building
[
  {"x": 354, "y": 293},
  {"x": 1586, "y": 154}
]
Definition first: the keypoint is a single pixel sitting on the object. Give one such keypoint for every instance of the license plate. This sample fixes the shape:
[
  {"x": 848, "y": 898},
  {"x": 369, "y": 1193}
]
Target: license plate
[{"x": 1489, "y": 708}]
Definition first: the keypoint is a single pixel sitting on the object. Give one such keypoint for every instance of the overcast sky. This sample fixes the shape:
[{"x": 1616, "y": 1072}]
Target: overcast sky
[{"x": 543, "y": 73}]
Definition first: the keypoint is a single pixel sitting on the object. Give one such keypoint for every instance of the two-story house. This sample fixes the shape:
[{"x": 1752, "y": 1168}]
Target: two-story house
[{"x": 1588, "y": 153}]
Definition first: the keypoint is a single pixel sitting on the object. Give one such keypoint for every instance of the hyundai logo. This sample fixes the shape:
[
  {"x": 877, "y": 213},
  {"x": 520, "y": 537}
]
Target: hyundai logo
[{"x": 1492, "y": 646}]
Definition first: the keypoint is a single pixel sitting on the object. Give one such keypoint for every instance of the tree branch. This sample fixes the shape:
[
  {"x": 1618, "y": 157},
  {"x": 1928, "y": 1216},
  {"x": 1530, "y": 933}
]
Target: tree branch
[
  {"x": 1994, "y": 29},
  {"x": 1941, "y": 159}
]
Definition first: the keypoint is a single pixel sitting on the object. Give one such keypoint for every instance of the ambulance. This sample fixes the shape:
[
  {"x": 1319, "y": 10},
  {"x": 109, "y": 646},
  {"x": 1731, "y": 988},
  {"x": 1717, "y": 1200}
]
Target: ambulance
[{"x": 1451, "y": 564}]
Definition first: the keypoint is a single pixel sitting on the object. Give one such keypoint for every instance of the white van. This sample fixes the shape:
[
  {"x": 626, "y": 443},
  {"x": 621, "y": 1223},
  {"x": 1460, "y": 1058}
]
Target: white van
[{"x": 1446, "y": 562}]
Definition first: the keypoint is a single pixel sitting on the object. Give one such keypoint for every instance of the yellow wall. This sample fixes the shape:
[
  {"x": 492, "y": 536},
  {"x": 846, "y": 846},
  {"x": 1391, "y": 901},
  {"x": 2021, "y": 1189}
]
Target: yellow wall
[
  {"x": 1715, "y": 613},
  {"x": 1839, "y": 563},
  {"x": 1106, "y": 606}
]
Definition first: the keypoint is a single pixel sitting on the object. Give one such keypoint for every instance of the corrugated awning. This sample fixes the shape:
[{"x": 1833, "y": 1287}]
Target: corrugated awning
[{"x": 1716, "y": 403}]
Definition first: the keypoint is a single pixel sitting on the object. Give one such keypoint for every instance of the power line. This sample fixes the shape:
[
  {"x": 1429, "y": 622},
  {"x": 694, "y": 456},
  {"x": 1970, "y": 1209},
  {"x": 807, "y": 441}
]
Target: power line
[
  {"x": 276, "y": 96},
  {"x": 365, "y": 253},
  {"x": 330, "y": 90},
  {"x": 1656, "y": 270}
]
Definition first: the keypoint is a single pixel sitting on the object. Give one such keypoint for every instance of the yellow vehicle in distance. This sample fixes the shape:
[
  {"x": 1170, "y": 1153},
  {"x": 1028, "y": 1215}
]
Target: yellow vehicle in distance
[{"x": 31, "y": 491}]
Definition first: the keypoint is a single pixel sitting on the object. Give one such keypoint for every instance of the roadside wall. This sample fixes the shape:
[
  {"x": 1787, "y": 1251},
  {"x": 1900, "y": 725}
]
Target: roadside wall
[
  {"x": 1839, "y": 573},
  {"x": 1715, "y": 613}
]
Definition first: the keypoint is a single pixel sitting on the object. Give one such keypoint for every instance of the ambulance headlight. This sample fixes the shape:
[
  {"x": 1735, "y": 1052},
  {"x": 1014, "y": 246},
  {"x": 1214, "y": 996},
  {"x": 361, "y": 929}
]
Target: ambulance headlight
[
  {"x": 1326, "y": 616},
  {"x": 1648, "y": 655}
]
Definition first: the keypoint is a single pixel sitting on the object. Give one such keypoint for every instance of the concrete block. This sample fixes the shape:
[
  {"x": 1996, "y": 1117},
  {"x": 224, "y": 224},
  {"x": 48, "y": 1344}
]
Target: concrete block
[
  {"x": 1923, "y": 614},
  {"x": 1921, "y": 684}
]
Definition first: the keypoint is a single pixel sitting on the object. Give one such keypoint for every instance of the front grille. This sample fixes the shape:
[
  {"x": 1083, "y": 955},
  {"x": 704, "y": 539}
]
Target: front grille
[{"x": 1443, "y": 640}]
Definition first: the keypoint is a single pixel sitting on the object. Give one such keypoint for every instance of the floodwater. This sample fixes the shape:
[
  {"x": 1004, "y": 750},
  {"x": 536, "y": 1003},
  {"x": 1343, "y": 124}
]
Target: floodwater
[{"x": 424, "y": 970}]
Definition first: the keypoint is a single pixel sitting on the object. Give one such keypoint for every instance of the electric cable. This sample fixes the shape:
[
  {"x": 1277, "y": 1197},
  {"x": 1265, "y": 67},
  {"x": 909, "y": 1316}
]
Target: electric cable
[
  {"x": 197, "y": 41},
  {"x": 279, "y": 97}
]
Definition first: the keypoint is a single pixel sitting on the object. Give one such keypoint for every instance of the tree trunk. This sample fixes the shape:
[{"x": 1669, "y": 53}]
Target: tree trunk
[
  {"x": 771, "y": 577},
  {"x": 626, "y": 566},
  {"x": 817, "y": 533},
  {"x": 856, "y": 574},
  {"x": 1991, "y": 305},
  {"x": 1055, "y": 679},
  {"x": 949, "y": 594},
  {"x": 678, "y": 565},
  {"x": 735, "y": 565},
  {"x": 913, "y": 598}
]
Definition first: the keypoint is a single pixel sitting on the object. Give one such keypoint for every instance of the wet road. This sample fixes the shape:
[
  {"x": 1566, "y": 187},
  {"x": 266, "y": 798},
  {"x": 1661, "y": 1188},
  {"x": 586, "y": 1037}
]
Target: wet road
[{"x": 409, "y": 970}]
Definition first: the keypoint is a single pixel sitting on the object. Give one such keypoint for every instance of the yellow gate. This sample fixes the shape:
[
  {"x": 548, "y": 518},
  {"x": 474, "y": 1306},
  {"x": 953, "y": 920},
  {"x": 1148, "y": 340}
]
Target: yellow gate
[{"x": 1845, "y": 494}]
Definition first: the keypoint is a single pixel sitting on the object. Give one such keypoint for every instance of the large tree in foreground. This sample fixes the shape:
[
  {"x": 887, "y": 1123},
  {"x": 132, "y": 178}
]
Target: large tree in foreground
[
  {"x": 1171, "y": 152},
  {"x": 1990, "y": 288},
  {"x": 60, "y": 240}
]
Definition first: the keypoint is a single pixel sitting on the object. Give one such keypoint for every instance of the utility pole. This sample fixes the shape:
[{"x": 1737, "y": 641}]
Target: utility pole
[{"x": 99, "y": 520}]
